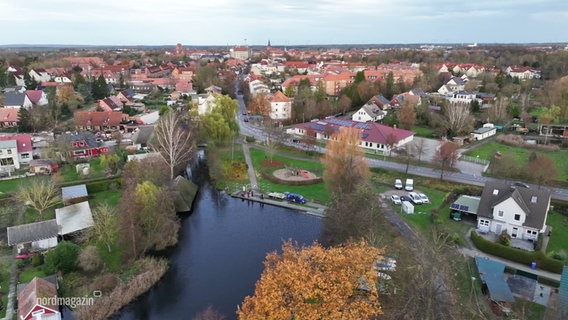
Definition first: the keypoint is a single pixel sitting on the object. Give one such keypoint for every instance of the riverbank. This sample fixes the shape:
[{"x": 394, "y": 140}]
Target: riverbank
[{"x": 310, "y": 208}]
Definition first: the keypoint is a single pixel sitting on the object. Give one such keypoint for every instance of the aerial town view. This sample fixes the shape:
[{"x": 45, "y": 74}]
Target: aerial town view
[{"x": 291, "y": 160}]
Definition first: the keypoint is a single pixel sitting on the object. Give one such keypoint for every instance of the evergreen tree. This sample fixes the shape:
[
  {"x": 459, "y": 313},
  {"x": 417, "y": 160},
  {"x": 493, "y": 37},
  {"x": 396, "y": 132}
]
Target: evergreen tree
[
  {"x": 389, "y": 87},
  {"x": 25, "y": 120},
  {"x": 29, "y": 81},
  {"x": 100, "y": 88}
]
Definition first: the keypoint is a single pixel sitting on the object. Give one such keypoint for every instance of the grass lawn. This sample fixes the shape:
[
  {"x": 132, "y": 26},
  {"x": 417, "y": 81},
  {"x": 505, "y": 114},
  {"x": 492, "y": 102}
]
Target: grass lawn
[
  {"x": 69, "y": 171},
  {"x": 10, "y": 186},
  {"x": 424, "y": 131},
  {"x": 315, "y": 192},
  {"x": 111, "y": 197},
  {"x": 29, "y": 273},
  {"x": 559, "y": 235},
  {"x": 521, "y": 155},
  {"x": 31, "y": 214}
]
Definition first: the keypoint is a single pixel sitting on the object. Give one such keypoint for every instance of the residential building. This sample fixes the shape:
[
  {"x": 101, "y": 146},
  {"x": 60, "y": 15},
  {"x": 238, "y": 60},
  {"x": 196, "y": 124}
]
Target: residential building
[
  {"x": 519, "y": 210},
  {"x": 108, "y": 121},
  {"x": 376, "y": 138},
  {"x": 380, "y": 101},
  {"x": 369, "y": 112},
  {"x": 38, "y": 301},
  {"x": 523, "y": 72},
  {"x": 17, "y": 100},
  {"x": 280, "y": 107},
  {"x": 240, "y": 52},
  {"x": 32, "y": 237},
  {"x": 39, "y": 75},
  {"x": 257, "y": 87},
  {"x": 24, "y": 147},
  {"x": 83, "y": 145},
  {"x": 37, "y": 97},
  {"x": 9, "y": 117},
  {"x": 9, "y": 156},
  {"x": 464, "y": 97}
]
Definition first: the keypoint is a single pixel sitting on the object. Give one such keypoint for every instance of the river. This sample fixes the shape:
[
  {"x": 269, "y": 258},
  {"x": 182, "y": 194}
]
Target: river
[{"x": 218, "y": 259}]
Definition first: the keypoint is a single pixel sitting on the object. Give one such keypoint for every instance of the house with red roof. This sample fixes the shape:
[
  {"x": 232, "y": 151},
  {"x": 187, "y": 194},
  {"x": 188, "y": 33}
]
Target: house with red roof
[
  {"x": 9, "y": 117},
  {"x": 523, "y": 72},
  {"x": 99, "y": 120},
  {"x": 38, "y": 301},
  {"x": 111, "y": 103},
  {"x": 375, "y": 138},
  {"x": 17, "y": 147},
  {"x": 37, "y": 97},
  {"x": 280, "y": 107}
]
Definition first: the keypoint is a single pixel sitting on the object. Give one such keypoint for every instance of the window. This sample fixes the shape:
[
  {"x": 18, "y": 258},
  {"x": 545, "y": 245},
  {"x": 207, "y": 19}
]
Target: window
[
  {"x": 9, "y": 151},
  {"x": 500, "y": 213},
  {"x": 25, "y": 155},
  {"x": 484, "y": 223},
  {"x": 7, "y": 162},
  {"x": 517, "y": 217}
]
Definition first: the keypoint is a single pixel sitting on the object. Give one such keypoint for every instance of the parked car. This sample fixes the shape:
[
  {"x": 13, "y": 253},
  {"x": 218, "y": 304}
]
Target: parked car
[
  {"x": 424, "y": 198},
  {"x": 395, "y": 199},
  {"x": 398, "y": 184},
  {"x": 294, "y": 197},
  {"x": 415, "y": 198},
  {"x": 277, "y": 195},
  {"x": 405, "y": 198},
  {"x": 409, "y": 185}
]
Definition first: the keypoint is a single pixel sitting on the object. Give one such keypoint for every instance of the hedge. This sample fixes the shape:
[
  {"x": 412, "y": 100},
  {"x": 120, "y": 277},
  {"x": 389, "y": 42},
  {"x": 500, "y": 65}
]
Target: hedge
[
  {"x": 104, "y": 185},
  {"x": 517, "y": 255},
  {"x": 272, "y": 178}
]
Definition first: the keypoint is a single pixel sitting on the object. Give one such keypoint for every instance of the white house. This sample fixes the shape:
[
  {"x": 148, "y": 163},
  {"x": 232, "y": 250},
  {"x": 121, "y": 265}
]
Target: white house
[
  {"x": 33, "y": 237},
  {"x": 17, "y": 100},
  {"x": 484, "y": 132},
  {"x": 464, "y": 97},
  {"x": 280, "y": 107},
  {"x": 375, "y": 138},
  {"x": 522, "y": 72},
  {"x": 257, "y": 86},
  {"x": 453, "y": 85},
  {"x": 521, "y": 211},
  {"x": 40, "y": 75},
  {"x": 369, "y": 112},
  {"x": 9, "y": 161},
  {"x": 205, "y": 103}
]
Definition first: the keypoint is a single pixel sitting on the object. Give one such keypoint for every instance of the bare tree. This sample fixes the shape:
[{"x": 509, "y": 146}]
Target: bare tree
[
  {"x": 457, "y": 118},
  {"x": 420, "y": 149},
  {"x": 39, "y": 192},
  {"x": 446, "y": 156},
  {"x": 106, "y": 228},
  {"x": 174, "y": 141}
]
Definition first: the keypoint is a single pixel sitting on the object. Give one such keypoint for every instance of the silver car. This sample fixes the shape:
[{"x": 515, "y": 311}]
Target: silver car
[{"x": 424, "y": 198}]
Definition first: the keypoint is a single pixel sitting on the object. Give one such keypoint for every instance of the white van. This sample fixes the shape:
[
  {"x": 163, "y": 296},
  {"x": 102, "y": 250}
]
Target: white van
[
  {"x": 409, "y": 185},
  {"x": 415, "y": 198}
]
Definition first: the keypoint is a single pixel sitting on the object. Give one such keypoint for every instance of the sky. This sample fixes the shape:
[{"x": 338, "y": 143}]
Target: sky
[{"x": 283, "y": 22}]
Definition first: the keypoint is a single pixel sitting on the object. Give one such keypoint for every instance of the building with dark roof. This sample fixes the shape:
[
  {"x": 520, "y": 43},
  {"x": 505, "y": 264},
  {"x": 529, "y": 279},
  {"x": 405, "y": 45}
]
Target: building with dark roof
[
  {"x": 376, "y": 138},
  {"x": 17, "y": 100},
  {"x": 35, "y": 236},
  {"x": 519, "y": 210}
]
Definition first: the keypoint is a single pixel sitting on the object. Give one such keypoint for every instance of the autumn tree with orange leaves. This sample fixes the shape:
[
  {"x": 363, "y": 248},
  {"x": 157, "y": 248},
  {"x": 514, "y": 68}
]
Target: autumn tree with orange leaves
[
  {"x": 345, "y": 164},
  {"x": 313, "y": 283},
  {"x": 259, "y": 104}
]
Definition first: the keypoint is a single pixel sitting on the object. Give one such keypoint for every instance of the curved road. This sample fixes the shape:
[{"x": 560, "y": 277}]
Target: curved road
[{"x": 248, "y": 129}]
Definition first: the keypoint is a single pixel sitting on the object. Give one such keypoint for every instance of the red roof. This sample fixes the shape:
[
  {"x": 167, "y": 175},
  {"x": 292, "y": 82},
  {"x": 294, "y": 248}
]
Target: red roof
[
  {"x": 370, "y": 131},
  {"x": 98, "y": 118},
  {"x": 30, "y": 298},
  {"x": 24, "y": 141},
  {"x": 9, "y": 114},
  {"x": 280, "y": 97},
  {"x": 34, "y": 95}
]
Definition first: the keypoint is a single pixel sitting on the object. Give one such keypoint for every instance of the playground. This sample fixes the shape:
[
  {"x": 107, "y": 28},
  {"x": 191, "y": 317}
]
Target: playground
[{"x": 294, "y": 174}]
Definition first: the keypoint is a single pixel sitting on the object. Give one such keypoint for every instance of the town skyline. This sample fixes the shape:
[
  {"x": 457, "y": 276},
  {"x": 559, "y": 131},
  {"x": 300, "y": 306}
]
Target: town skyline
[{"x": 289, "y": 23}]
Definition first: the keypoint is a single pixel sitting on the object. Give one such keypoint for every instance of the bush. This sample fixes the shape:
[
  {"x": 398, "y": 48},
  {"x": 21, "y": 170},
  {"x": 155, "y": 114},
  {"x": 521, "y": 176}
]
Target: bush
[
  {"x": 250, "y": 139},
  {"x": 37, "y": 260},
  {"x": 89, "y": 259},
  {"x": 103, "y": 185},
  {"x": 505, "y": 238},
  {"x": 63, "y": 258},
  {"x": 105, "y": 283},
  {"x": 517, "y": 255}
]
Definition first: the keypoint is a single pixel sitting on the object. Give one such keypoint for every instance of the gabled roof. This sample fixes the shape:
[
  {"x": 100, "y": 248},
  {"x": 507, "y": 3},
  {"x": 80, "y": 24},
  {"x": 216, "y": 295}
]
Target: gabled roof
[
  {"x": 73, "y": 192},
  {"x": 74, "y": 218},
  {"x": 31, "y": 232},
  {"x": 98, "y": 118},
  {"x": 371, "y": 109},
  {"x": 381, "y": 99},
  {"x": 37, "y": 291},
  {"x": 34, "y": 95},
  {"x": 14, "y": 99},
  {"x": 280, "y": 97},
  {"x": 9, "y": 115},
  {"x": 496, "y": 192},
  {"x": 23, "y": 141}
]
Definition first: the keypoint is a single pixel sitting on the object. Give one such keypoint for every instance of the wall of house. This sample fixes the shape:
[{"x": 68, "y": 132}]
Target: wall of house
[
  {"x": 361, "y": 116},
  {"x": 280, "y": 110},
  {"x": 9, "y": 159}
]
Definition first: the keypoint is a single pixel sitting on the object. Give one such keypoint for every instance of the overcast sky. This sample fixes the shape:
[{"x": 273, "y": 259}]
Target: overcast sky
[{"x": 283, "y": 22}]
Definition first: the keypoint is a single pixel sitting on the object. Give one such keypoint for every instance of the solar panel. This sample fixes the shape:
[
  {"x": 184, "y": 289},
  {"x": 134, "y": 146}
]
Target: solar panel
[
  {"x": 464, "y": 208},
  {"x": 364, "y": 135},
  {"x": 363, "y": 126},
  {"x": 316, "y": 127},
  {"x": 455, "y": 206},
  {"x": 340, "y": 122}
]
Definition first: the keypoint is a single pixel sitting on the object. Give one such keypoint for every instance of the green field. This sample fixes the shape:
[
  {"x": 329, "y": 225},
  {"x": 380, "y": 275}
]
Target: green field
[
  {"x": 316, "y": 192},
  {"x": 424, "y": 132},
  {"x": 521, "y": 155}
]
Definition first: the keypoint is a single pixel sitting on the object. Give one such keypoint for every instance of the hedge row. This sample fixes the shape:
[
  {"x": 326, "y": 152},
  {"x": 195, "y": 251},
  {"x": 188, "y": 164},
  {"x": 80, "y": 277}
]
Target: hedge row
[
  {"x": 104, "y": 185},
  {"x": 270, "y": 177},
  {"x": 517, "y": 255}
]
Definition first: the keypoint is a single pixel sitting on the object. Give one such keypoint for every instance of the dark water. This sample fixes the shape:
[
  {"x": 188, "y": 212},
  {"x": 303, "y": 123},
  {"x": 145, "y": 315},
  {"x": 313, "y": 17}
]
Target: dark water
[{"x": 219, "y": 256}]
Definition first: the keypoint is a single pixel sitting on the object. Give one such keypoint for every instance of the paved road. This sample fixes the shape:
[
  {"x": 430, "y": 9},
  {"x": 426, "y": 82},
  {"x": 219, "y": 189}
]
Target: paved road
[{"x": 470, "y": 175}]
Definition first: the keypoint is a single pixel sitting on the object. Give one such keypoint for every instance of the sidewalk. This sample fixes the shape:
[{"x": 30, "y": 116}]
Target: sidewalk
[
  {"x": 250, "y": 168},
  {"x": 517, "y": 266}
]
